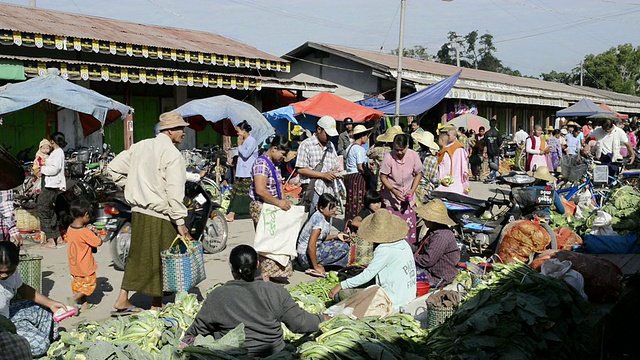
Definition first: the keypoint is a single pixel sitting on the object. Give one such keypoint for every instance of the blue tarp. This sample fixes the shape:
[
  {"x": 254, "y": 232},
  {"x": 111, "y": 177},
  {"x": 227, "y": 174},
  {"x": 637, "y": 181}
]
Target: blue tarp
[
  {"x": 373, "y": 102},
  {"x": 275, "y": 116},
  {"x": 423, "y": 100},
  {"x": 584, "y": 107}
]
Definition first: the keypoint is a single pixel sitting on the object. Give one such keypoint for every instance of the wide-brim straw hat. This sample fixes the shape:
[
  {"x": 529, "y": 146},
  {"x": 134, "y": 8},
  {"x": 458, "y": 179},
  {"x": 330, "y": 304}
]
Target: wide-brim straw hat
[
  {"x": 446, "y": 128},
  {"x": 360, "y": 129},
  {"x": 542, "y": 173},
  {"x": 425, "y": 138},
  {"x": 171, "y": 120},
  {"x": 390, "y": 134},
  {"x": 382, "y": 227},
  {"x": 435, "y": 211},
  {"x": 564, "y": 131},
  {"x": 550, "y": 128},
  {"x": 572, "y": 123}
]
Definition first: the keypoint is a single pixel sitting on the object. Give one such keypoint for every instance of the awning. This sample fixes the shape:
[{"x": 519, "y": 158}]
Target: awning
[
  {"x": 423, "y": 100},
  {"x": 11, "y": 70},
  {"x": 617, "y": 114},
  {"x": 584, "y": 107}
]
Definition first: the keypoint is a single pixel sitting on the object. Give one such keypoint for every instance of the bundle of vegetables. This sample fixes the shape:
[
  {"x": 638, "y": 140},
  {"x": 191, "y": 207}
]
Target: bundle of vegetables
[
  {"x": 518, "y": 314},
  {"x": 319, "y": 288},
  {"x": 395, "y": 337}
]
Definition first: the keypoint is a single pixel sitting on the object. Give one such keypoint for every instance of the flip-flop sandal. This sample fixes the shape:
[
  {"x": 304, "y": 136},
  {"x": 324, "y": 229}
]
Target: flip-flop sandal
[
  {"x": 313, "y": 272},
  {"x": 125, "y": 312}
]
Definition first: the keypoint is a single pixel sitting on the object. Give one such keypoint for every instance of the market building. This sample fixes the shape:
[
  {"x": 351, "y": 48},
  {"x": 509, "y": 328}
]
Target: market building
[
  {"x": 361, "y": 74},
  {"x": 150, "y": 68}
]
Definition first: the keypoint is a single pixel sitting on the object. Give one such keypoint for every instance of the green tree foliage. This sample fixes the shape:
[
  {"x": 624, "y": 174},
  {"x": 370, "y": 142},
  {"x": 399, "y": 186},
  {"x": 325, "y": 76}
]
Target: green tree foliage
[{"x": 418, "y": 52}]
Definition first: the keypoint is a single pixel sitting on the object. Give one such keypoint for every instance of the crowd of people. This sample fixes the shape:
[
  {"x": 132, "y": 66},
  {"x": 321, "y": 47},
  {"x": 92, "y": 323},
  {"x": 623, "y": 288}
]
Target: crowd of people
[{"x": 387, "y": 182}]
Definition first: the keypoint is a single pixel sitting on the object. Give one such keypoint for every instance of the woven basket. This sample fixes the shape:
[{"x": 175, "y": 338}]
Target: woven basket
[
  {"x": 30, "y": 268},
  {"x": 437, "y": 315},
  {"x": 26, "y": 220}
]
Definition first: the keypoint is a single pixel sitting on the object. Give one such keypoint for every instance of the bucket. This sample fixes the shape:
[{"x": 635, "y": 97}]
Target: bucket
[
  {"x": 30, "y": 268},
  {"x": 422, "y": 288}
]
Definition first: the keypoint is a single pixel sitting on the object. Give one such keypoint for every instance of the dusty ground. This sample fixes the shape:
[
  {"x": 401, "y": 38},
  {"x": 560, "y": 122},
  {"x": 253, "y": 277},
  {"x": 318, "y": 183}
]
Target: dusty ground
[{"x": 57, "y": 285}]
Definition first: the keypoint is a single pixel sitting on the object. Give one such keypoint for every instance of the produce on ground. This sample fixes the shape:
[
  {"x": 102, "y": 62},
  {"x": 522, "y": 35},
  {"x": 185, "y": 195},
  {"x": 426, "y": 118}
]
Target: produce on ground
[
  {"x": 566, "y": 238},
  {"x": 517, "y": 314},
  {"x": 602, "y": 278},
  {"x": 521, "y": 238},
  {"x": 623, "y": 205},
  {"x": 319, "y": 288}
]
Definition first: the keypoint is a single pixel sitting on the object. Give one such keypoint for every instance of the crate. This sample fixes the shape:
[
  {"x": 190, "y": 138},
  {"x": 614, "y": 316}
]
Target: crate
[
  {"x": 26, "y": 220},
  {"x": 30, "y": 268}
]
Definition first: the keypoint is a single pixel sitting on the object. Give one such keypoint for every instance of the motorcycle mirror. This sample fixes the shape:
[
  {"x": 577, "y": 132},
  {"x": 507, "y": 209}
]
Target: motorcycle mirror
[{"x": 105, "y": 146}]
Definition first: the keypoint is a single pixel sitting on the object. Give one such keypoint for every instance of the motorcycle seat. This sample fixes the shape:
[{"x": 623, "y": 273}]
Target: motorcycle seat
[{"x": 457, "y": 198}]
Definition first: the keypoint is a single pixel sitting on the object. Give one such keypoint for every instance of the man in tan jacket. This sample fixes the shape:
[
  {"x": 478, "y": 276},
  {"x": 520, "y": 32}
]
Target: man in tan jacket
[{"x": 152, "y": 173}]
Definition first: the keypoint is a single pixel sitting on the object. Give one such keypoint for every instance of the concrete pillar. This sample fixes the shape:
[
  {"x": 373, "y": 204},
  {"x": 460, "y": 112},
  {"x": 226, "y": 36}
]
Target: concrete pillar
[
  {"x": 531, "y": 124},
  {"x": 514, "y": 123}
]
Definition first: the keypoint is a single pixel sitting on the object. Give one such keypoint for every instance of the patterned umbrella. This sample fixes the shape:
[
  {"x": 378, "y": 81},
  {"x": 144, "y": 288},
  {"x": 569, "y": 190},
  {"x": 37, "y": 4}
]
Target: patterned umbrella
[{"x": 470, "y": 121}]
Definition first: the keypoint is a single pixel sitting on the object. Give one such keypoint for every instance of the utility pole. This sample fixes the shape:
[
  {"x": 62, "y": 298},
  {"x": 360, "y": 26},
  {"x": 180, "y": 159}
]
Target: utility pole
[
  {"x": 581, "y": 70},
  {"x": 457, "y": 50},
  {"x": 403, "y": 6},
  {"x": 32, "y": 3}
]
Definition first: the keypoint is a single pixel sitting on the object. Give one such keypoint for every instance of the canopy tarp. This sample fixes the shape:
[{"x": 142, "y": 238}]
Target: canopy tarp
[
  {"x": 373, "y": 102},
  {"x": 306, "y": 113},
  {"x": 584, "y": 107},
  {"x": 617, "y": 114},
  {"x": 423, "y": 100},
  {"x": 225, "y": 113},
  {"x": 95, "y": 110}
]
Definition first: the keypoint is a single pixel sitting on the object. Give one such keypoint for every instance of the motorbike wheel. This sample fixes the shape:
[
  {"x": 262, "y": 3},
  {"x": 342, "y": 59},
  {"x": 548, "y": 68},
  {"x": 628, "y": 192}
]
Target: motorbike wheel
[
  {"x": 120, "y": 244},
  {"x": 215, "y": 233}
]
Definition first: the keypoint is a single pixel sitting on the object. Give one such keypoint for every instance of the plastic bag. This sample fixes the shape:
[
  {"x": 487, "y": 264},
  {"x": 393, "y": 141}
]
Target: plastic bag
[
  {"x": 562, "y": 270},
  {"x": 602, "y": 225},
  {"x": 372, "y": 301}
]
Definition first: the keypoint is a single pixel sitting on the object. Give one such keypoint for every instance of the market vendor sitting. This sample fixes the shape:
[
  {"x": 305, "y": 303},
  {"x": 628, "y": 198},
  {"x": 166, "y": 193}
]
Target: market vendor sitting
[
  {"x": 261, "y": 306},
  {"x": 437, "y": 255},
  {"x": 392, "y": 264}
]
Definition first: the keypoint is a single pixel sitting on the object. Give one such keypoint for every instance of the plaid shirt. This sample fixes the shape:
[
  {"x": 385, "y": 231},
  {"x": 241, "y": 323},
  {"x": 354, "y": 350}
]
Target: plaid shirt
[
  {"x": 430, "y": 179},
  {"x": 310, "y": 153},
  {"x": 14, "y": 347},
  {"x": 260, "y": 167},
  {"x": 7, "y": 214},
  {"x": 439, "y": 256}
]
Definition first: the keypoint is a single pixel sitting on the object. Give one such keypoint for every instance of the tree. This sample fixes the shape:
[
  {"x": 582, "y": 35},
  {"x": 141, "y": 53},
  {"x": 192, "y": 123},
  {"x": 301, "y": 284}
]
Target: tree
[
  {"x": 418, "y": 52},
  {"x": 560, "y": 77}
]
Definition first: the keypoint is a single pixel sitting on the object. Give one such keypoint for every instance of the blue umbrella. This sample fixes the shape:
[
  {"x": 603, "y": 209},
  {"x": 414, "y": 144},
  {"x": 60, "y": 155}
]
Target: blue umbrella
[{"x": 225, "y": 113}]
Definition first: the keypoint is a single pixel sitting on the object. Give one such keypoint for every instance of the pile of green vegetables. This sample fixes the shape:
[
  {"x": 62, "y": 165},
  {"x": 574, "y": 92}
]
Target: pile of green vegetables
[
  {"x": 517, "y": 313},
  {"x": 623, "y": 205},
  {"x": 319, "y": 288}
]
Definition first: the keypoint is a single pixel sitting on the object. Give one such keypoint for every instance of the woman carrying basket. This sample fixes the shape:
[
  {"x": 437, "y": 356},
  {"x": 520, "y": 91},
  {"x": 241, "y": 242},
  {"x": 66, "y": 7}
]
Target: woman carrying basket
[{"x": 266, "y": 187}]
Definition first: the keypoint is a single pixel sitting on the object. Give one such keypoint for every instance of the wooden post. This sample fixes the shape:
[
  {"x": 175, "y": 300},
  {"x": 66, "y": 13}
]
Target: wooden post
[{"x": 514, "y": 124}]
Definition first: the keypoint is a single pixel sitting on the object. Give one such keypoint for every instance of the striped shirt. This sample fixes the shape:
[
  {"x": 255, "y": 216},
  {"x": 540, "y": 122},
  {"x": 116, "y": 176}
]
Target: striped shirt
[{"x": 439, "y": 256}]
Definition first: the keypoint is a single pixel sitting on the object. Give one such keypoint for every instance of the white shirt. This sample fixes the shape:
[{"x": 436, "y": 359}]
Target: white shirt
[
  {"x": 521, "y": 137},
  {"x": 609, "y": 143},
  {"x": 53, "y": 170},
  {"x": 8, "y": 289}
]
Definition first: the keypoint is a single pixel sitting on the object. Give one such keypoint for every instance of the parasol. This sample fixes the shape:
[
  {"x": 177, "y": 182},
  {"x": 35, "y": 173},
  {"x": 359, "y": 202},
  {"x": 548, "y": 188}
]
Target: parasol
[{"x": 470, "y": 121}]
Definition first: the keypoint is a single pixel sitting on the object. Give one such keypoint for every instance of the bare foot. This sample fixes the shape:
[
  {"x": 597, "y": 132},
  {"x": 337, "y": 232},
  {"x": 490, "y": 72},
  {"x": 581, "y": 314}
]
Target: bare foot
[
  {"x": 123, "y": 306},
  {"x": 49, "y": 244}
]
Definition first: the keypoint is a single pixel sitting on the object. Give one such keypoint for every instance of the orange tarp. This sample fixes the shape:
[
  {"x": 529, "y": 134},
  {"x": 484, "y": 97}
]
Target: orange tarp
[
  {"x": 617, "y": 114},
  {"x": 336, "y": 107}
]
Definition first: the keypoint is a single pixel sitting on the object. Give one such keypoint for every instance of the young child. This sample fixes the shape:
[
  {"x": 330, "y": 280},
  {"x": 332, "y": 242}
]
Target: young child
[
  {"x": 372, "y": 202},
  {"x": 44, "y": 149},
  {"x": 82, "y": 242}
]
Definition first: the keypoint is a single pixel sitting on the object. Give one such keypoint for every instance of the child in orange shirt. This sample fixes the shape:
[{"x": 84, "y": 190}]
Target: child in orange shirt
[{"x": 82, "y": 242}]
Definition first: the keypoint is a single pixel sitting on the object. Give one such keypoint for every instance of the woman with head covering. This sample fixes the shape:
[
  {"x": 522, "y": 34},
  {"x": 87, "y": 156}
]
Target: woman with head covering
[
  {"x": 392, "y": 265},
  {"x": 247, "y": 155},
  {"x": 382, "y": 147},
  {"x": 355, "y": 162},
  {"x": 261, "y": 306},
  {"x": 44, "y": 149},
  {"x": 437, "y": 255}
]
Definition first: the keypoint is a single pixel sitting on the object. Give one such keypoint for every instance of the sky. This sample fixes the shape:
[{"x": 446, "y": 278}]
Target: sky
[{"x": 532, "y": 36}]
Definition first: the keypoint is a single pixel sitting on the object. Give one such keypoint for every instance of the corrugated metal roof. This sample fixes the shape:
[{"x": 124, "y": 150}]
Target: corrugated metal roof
[
  {"x": 389, "y": 62},
  {"x": 50, "y": 22}
]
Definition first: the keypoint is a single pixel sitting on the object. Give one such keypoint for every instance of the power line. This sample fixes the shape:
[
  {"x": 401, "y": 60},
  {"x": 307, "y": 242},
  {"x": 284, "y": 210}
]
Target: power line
[{"x": 77, "y": 7}]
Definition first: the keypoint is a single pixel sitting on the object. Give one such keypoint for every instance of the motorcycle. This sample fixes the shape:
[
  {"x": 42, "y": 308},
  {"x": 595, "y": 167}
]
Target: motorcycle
[
  {"x": 206, "y": 223},
  {"x": 480, "y": 225}
]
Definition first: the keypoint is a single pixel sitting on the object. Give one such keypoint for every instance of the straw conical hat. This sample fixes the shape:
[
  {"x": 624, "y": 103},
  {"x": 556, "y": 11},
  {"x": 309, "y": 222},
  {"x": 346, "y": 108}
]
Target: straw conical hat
[
  {"x": 390, "y": 134},
  {"x": 383, "y": 227},
  {"x": 542, "y": 173},
  {"x": 435, "y": 211}
]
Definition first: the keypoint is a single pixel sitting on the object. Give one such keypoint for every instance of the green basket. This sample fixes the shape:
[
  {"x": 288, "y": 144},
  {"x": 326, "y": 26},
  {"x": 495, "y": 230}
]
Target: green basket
[
  {"x": 30, "y": 268},
  {"x": 438, "y": 315}
]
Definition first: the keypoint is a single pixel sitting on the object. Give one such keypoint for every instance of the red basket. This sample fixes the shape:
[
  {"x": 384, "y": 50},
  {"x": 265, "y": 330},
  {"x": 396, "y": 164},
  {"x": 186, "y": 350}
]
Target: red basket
[{"x": 422, "y": 288}]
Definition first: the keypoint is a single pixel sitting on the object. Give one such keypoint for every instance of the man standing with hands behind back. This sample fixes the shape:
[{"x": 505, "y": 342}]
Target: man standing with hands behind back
[{"x": 153, "y": 175}]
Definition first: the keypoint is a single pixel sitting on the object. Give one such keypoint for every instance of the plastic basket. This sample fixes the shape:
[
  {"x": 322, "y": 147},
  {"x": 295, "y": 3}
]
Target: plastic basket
[
  {"x": 438, "y": 315},
  {"x": 573, "y": 168},
  {"x": 30, "y": 268}
]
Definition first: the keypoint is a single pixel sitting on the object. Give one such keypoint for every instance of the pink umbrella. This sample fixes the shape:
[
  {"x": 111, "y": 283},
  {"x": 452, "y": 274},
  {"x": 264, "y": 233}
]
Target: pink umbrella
[{"x": 470, "y": 121}]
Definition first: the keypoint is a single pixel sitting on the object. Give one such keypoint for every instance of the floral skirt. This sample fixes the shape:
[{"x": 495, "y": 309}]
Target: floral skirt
[
  {"x": 356, "y": 189},
  {"x": 272, "y": 269},
  {"x": 85, "y": 285},
  {"x": 328, "y": 253},
  {"x": 409, "y": 216},
  {"x": 34, "y": 323},
  {"x": 255, "y": 209}
]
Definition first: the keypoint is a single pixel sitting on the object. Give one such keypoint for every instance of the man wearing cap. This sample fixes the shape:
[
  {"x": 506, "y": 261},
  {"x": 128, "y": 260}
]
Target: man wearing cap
[
  {"x": 416, "y": 129},
  {"x": 392, "y": 265},
  {"x": 344, "y": 140},
  {"x": 317, "y": 162},
  {"x": 356, "y": 163},
  {"x": 453, "y": 162},
  {"x": 609, "y": 140},
  {"x": 437, "y": 255},
  {"x": 152, "y": 173},
  {"x": 382, "y": 147}
]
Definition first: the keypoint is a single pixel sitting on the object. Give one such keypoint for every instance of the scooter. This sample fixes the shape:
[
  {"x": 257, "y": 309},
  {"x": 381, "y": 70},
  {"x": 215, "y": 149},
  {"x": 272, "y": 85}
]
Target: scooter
[
  {"x": 205, "y": 222},
  {"x": 480, "y": 222}
]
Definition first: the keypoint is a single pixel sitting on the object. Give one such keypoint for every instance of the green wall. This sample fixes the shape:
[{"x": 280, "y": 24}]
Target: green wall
[{"x": 22, "y": 129}]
